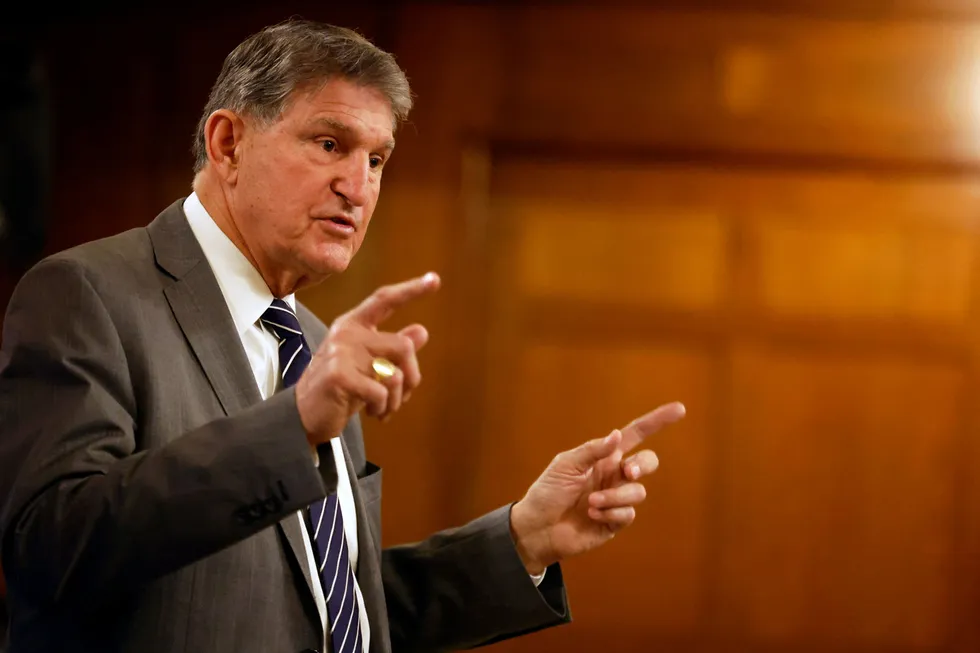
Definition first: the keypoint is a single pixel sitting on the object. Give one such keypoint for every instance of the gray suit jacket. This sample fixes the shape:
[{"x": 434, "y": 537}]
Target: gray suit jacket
[{"x": 149, "y": 494}]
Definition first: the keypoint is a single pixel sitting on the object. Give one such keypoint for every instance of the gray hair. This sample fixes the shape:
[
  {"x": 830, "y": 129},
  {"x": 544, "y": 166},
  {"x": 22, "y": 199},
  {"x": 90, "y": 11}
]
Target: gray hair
[{"x": 260, "y": 76}]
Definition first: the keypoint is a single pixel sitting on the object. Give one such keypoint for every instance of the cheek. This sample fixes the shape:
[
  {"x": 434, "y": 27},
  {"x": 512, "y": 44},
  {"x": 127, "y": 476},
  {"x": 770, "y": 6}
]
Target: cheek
[
  {"x": 270, "y": 169},
  {"x": 371, "y": 205},
  {"x": 277, "y": 213}
]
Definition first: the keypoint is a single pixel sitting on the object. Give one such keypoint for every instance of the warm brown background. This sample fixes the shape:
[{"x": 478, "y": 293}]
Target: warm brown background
[{"x": 767, "y": 209}]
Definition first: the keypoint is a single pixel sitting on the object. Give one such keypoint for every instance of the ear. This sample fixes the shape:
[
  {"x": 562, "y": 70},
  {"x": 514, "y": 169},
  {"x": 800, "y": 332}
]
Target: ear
[{"x": 224, "y": 133}]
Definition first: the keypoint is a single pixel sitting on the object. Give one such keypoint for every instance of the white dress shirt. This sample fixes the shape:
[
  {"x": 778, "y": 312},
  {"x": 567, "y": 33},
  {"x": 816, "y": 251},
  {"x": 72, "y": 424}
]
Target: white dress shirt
[{"x": 248, "y": 297}]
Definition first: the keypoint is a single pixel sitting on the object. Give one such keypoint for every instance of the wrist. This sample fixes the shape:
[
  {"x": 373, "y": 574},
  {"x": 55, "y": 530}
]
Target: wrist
[
  {"x": 530, "y": 542},
  {"x": 306, "y": 406},
  {"x": 303, "y": 408}
]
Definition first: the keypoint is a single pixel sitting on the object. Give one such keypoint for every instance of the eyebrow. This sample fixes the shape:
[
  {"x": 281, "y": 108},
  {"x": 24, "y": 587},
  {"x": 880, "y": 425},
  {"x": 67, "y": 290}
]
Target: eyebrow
[{"x": 339, "y": 126}]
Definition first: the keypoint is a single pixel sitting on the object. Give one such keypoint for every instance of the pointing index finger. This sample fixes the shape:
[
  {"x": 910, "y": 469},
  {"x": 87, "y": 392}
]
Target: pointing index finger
[
  {"x": 646, "y": 425},
  {"x": 380, "y": 305}
]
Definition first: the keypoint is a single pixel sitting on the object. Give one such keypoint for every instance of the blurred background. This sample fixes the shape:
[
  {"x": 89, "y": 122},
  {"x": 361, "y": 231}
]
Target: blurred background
[{"x": 768, "y": 209}]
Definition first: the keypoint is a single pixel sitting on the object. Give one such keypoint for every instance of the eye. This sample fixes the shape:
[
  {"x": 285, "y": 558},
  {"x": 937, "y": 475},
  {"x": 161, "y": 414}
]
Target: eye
[
  {"x": 376, "y": 162},
  {"x": 329, "y": 145}
]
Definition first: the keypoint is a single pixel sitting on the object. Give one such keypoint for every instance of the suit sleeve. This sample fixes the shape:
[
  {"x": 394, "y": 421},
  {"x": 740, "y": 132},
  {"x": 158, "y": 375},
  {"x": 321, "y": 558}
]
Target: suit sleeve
[
  {"x": 466, "y": 587},
  {"x": 86, "y": 513}
]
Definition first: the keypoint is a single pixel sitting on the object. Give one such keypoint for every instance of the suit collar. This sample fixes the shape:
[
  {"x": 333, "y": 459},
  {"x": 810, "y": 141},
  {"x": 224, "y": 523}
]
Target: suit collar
[
  {"x": 200, "y": 310},
  {"x": 175, "y": 249},
  {"x": 244, "y": 289}
]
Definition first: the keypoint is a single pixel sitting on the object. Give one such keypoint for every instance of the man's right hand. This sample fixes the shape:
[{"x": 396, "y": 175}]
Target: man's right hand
[{"x": 340, "y": 379}]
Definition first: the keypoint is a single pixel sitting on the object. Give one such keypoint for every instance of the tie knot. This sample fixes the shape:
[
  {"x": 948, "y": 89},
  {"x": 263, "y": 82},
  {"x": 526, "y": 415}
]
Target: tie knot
[{"x": 279, "y": 317}]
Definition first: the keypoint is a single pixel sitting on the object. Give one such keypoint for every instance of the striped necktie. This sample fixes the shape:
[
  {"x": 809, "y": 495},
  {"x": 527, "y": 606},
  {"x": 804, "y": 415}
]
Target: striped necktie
[{"x": 326, "y": 517}]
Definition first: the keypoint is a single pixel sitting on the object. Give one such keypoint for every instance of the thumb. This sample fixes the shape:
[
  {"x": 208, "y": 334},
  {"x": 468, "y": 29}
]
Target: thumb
[
  {"x": 582, "y": 458},
  {"x": 417, "y": 334}
]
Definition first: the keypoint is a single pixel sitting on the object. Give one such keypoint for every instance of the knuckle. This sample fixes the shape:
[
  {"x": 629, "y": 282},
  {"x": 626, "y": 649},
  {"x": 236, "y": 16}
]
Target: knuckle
[
  {"x": 378, "y": 393},
  {"x": 337, "y": 341},
  {"x": 342, "y": 324},
  {"x": 333, "y": 370},
  {"x": 384, "y": 294},
  {"x": 341, "y": 383},
  {"x": 412, "y": 374},
  {"x": 338, "y": 358},
  {"x": 338, "y": 323},
  {"x": 406, "y": 347}
]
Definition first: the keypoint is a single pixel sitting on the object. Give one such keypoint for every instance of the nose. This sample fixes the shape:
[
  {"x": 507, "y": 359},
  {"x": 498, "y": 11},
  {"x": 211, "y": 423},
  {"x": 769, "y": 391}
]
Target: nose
[{"x": 353, "y": 179}]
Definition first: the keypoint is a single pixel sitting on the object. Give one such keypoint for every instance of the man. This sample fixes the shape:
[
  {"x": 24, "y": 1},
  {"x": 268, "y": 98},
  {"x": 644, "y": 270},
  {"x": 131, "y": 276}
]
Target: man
[{"x": 181, "y": 438}]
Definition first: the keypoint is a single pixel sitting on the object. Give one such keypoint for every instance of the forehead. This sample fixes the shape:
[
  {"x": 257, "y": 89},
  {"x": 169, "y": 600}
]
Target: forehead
[{"x": 361, "y": 110}]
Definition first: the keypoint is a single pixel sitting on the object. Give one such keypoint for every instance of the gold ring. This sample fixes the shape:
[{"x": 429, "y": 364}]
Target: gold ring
[{"x": 383, "y": 368}]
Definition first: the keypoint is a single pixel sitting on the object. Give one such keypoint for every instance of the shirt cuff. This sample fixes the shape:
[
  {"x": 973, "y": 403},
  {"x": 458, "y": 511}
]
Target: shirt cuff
[{"x": 540, "y": 577}]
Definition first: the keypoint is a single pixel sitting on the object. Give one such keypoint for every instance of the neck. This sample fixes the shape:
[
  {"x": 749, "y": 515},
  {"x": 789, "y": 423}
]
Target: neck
[{"x": 216, "y": 201}]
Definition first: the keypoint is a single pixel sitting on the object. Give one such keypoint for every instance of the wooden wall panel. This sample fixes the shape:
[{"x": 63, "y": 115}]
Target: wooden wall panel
[
  {"x": 594, "y": 251},
  {"x": 890, "y": 91},
  {"x": 873, "y": 246},
  {"x": 838, "y": 517},
  {"x": 825, "y": 245},
  {"x": 914, "y": 274}
]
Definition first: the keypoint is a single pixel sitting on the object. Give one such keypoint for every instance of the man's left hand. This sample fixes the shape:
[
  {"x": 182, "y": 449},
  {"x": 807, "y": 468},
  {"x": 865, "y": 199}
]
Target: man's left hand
[{"x": 587, "y": 494}]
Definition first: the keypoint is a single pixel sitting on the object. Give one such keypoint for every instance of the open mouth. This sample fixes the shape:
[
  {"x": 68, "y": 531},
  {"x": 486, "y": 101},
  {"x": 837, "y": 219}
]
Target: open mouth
[{"x": 343, "y": 222}]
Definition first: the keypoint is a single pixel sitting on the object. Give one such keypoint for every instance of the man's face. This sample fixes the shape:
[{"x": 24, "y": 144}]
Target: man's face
[{"x": 308, "y": 183}]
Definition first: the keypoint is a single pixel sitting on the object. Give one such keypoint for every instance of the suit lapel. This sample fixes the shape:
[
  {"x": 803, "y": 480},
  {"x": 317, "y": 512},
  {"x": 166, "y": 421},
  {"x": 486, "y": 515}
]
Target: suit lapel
[
  {"x": 202, "y": 314},
  {"x": 368, "y": 570},
  {"x": 209, "y": 329},
  {"x": 201, "y": 311},
  {"x": 295, "y": 536}
]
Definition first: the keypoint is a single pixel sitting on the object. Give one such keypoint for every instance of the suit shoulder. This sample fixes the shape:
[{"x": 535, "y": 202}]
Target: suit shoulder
[
  {"x": 116, "y": 258},
  {"x": 124, "y": 256}
]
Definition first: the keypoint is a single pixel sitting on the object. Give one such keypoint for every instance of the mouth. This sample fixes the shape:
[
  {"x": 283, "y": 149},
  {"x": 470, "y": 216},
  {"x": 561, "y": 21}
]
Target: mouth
[
  {"x": 338, "y": 226},
  {"x": 341, "y": 221}
]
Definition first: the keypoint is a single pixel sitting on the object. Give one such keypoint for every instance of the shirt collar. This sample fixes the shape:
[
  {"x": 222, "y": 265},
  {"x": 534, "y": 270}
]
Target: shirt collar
[{"x": 243, "y": 288}]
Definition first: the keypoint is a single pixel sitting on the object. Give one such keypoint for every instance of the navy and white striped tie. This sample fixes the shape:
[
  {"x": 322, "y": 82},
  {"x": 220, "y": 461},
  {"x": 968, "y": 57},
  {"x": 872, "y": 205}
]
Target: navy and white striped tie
[
  {"x": 326, "y": 518},
  {"x": 294, "y": 353}
]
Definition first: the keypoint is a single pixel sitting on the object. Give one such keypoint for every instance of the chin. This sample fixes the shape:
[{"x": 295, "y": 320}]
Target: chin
[
  {"x": 325, "y": 258},
  {"x": 330, "y": 262}
]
